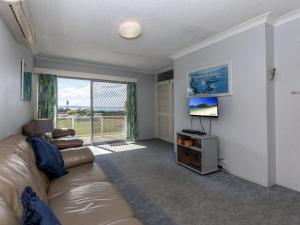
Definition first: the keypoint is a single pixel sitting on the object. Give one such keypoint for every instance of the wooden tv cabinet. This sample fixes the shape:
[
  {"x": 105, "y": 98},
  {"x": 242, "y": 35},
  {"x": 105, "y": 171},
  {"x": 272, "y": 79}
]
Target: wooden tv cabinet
[{"x": 197, "y": 152}]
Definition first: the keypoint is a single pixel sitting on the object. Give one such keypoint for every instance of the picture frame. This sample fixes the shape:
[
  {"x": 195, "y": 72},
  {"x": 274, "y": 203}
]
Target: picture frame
[
  {"x": 215, "y": 80},
  {"x": 26, "y": 82}
]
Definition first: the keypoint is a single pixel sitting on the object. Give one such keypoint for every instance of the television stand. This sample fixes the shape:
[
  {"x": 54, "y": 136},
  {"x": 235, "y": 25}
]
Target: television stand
[{"x": 197, "y": 152}]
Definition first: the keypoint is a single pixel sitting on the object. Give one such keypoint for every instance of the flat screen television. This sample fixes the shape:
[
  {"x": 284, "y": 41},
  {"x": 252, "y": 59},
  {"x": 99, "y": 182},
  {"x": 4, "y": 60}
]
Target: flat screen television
[{"x": 205, "y": 106}]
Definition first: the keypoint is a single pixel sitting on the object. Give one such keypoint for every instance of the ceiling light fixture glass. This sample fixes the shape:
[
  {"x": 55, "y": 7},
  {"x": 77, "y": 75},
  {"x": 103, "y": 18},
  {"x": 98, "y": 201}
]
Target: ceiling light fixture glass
[
  {"x": 130, "y": 29},
  {"x": 12, "y": 1}
]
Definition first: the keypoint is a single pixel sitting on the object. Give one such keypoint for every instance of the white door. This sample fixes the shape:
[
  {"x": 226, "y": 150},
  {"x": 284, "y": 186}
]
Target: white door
[{"x": 164, "y": 110}]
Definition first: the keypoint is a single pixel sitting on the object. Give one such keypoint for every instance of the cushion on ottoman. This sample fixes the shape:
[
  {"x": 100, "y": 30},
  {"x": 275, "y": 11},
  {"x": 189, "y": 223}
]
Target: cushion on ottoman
[
  {"x": 67, "y": 142},
  {"x": 62, "y": 132}
]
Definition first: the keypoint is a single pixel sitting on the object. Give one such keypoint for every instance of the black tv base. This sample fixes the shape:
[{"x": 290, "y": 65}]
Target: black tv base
[{"x": 190, "y": 131}]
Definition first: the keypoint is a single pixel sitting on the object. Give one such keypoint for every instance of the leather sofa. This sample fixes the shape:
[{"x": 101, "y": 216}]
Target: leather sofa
[{"x": 83, "y": 196}]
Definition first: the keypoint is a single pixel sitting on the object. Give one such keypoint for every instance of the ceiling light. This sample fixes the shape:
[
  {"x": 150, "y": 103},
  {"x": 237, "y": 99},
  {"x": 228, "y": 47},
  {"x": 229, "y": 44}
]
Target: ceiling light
[
  {"x": 12, "y": 1},
  {"x": 130, "y": 29}
]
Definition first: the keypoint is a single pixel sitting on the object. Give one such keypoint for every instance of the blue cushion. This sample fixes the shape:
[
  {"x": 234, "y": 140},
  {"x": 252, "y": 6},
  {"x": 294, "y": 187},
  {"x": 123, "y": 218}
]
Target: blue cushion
[
  {"x": 35, "y": 211},
  {"x": 48, "y": 158}
]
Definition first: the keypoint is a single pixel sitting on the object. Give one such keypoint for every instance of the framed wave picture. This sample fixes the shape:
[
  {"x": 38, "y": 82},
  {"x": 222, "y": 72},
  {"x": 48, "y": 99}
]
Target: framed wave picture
[
  {"x": 210, "y": 81},
  {"x": 26, "y": 82}
]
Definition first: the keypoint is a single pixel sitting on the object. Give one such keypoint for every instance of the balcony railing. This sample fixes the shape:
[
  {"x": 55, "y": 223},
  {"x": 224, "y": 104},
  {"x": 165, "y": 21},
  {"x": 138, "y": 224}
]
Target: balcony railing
[{"x": 105, "y": 127}]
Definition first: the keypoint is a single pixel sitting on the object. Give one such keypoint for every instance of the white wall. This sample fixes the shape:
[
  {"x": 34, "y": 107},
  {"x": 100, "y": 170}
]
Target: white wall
[
  {"x": 145, "y": 89},
  {"x": 242, "y": 127},
  {"x": 14, "y": 113},
  {"x": 287, "y": 50}
]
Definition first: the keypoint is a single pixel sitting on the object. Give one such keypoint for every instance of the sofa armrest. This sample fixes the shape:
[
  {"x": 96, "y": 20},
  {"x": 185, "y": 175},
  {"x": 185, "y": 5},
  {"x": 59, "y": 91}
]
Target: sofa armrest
[
  {"x": 62, "y": 132},
  {"x": 77, "y": 156}
]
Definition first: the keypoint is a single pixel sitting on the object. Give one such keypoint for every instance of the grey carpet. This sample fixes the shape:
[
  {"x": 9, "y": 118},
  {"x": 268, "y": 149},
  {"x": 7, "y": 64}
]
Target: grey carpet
[{"x": 164, "y": 193}]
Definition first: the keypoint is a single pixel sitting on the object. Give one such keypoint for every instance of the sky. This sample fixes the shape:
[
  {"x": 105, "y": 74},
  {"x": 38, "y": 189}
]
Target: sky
[
  {"x": 77, "y": 92},
  {"x": 208, "y": 101}
]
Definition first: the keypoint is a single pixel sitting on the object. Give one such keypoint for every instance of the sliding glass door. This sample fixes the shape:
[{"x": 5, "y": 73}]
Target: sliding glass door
[
  {"x": 74, "y": 106},
  {"x": 108, "y": 111},
  {"x": 95, "y": 109}
]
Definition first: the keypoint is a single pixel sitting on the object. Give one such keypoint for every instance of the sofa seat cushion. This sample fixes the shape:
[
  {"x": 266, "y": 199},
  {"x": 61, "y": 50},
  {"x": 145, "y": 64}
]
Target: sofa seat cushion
[
  {"x": 77, "y": 176},
  {"x": 35, "y": 211},
  {"x": 7, "y": 215},
  {"x": 67, "y": 142},
  {"x": 127, "y": 221},
  {"x": 96, "y": 203}
]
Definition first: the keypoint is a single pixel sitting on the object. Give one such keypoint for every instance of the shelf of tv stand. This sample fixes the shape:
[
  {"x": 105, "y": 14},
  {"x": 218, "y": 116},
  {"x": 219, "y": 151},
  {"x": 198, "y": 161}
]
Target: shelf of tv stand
[
  {"x": 191, "y": 147},
  {"x": 196, "y": 170}
]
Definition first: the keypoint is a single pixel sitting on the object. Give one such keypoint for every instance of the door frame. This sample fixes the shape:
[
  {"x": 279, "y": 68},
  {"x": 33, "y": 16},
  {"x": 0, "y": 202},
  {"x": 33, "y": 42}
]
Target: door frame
[
  {"x": 92, "y": 113},
  {"x": 171, "y": 110}
]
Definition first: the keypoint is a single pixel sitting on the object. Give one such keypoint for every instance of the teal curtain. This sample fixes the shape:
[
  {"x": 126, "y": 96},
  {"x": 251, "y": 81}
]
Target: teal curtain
[
  {"x": 132, "y": 131},
  {"x": 47, "y": 96}
]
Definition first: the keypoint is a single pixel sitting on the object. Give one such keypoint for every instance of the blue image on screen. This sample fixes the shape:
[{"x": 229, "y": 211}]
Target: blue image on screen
[{"x": 204, "y": 106}]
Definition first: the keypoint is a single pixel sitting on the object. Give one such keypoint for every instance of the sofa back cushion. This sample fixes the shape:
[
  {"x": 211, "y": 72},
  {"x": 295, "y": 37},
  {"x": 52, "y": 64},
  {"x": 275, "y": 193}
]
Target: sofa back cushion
[{"x": 18, "y": 170}]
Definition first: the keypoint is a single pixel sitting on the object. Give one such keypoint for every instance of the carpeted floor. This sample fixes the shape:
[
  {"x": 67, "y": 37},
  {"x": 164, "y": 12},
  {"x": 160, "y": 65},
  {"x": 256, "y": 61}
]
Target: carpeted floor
[{"x": 164, "y": 193}]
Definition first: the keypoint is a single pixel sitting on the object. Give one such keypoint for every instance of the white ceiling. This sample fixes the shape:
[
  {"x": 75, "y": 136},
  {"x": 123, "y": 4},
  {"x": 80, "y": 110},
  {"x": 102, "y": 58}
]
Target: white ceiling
[{"x": 87, "y": 29}]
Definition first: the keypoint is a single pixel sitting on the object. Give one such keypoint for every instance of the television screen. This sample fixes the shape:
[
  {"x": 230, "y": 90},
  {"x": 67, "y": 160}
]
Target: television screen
[{"x": 207, "y": 106}]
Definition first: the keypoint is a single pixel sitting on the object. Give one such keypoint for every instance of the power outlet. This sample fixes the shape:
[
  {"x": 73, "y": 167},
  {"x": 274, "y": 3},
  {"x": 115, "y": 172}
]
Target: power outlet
[
  {"x": 223, "y": 165},
  {"x": 224, "y": 162}
]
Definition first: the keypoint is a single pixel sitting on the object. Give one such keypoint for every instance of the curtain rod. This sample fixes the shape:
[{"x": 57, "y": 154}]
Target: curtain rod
[{"x": 71, "y": 74}]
